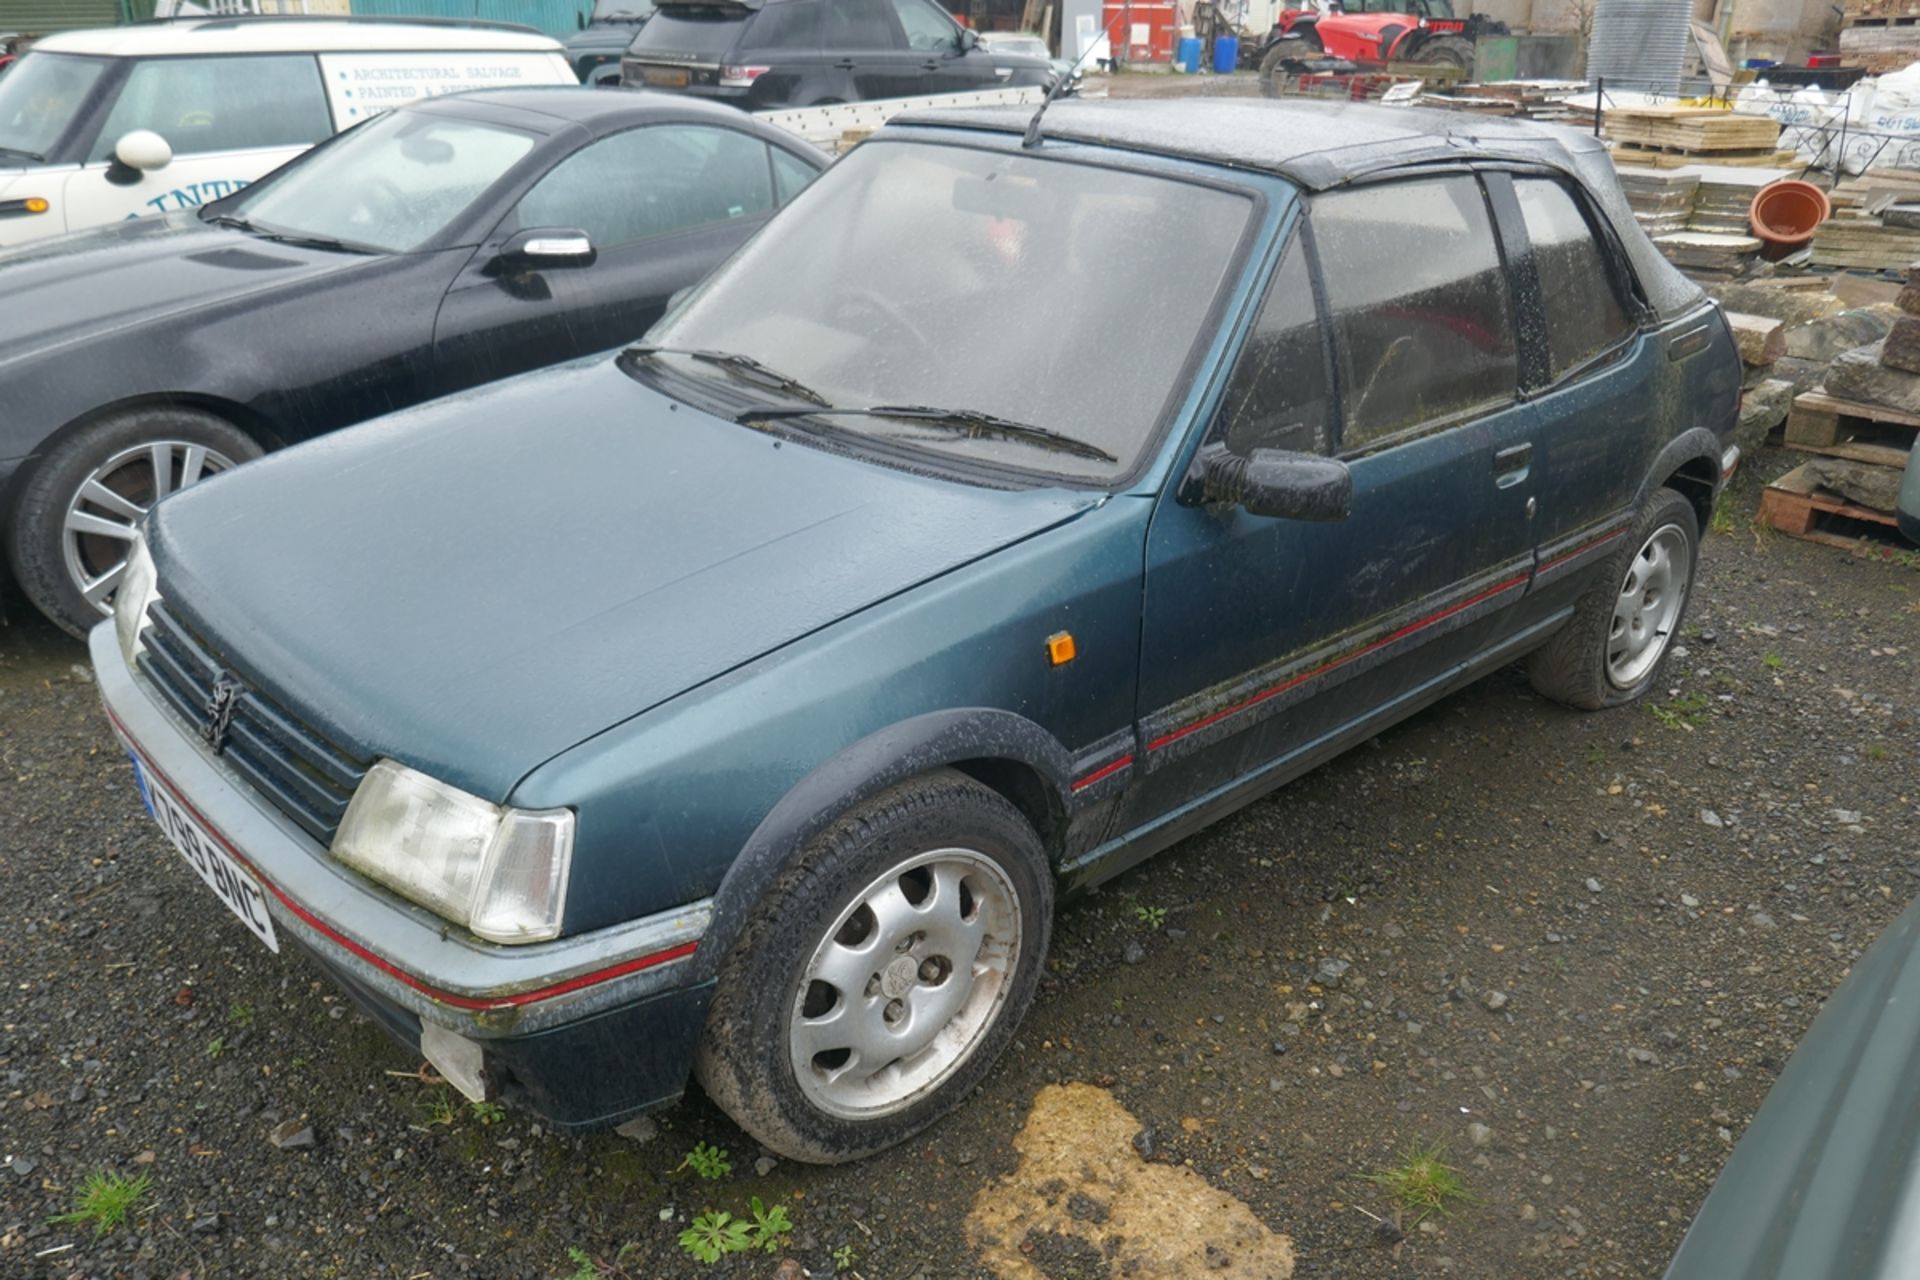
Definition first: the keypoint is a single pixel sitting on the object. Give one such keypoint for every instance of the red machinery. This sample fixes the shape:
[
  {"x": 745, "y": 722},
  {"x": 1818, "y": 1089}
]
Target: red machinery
[{"x": 1370, "y": 34}]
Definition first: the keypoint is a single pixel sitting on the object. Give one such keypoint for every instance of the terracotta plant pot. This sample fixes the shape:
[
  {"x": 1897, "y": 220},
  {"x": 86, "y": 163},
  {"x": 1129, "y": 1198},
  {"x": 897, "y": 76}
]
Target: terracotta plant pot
[{"x": 1784, "y": 214}]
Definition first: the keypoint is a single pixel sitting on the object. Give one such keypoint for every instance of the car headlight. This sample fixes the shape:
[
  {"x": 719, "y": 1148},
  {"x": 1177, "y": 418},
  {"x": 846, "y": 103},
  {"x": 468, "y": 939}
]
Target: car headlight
[
  {"x": 133, "y": 597},
  {"x": 500, "y": 871}
]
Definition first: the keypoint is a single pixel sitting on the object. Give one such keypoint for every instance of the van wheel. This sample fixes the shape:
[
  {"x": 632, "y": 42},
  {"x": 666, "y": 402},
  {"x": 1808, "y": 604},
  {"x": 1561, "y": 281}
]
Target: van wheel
[
  {"x": 882, "y": 974},
  {"x": 75, "y": 521},
  {"x": 1612, "y": 650}
]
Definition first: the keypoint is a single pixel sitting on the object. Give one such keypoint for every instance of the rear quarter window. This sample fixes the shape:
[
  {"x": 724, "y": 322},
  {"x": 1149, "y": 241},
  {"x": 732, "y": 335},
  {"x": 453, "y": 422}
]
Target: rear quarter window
[
  {"x": 1422, "y": 317},
  {"x": 795, "y": 25},
  {"x": 1584, "y": 315}
]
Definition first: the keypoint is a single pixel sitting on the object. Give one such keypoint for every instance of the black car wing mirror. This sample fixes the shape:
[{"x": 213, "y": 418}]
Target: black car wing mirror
[
  {"x": 967, "y": 40},
  {"x": 538, "y": 248},
  {"x": 1277, "y": 483}
]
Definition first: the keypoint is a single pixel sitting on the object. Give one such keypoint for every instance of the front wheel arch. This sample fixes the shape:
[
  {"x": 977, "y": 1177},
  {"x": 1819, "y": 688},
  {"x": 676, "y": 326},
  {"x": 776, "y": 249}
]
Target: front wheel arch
[{"x": 1005, "y": 751}]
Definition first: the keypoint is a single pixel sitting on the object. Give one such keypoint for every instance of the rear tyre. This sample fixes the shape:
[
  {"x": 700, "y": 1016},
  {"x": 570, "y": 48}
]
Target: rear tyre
[
  {"x": 1276, "y": 77},
  {"x": 1614, "y": 647},
  {"x": 75, "y": 521},
  {"x": 882, "y": 973},
  {"x": 1446, "y": 51}
]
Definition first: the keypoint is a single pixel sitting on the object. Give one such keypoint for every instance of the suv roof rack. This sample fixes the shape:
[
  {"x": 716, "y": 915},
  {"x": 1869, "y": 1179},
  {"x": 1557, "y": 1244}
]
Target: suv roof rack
[{"x": 204, "y": 22}]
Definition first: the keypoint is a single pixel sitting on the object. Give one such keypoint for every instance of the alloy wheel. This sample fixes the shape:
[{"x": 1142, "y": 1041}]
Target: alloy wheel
[
  {"x": 903, "y": 987},
  {"x": 105, "y": 511},
  {"x": 1648, "y": 607}
]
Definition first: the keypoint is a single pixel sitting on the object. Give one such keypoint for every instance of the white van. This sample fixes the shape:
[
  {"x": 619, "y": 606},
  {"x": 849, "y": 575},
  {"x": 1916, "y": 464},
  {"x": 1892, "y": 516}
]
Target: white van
[{"x": 96, "y": 126}]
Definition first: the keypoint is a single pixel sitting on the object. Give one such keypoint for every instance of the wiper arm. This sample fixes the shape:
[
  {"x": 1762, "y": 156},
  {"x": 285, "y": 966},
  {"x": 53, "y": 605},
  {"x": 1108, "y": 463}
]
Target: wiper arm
[
  {"x": 239, "y": 222},
  {"x": 34, "y": 156},
  {"x": 962, "y": 422},
  {"x": 746, "y": 368}
]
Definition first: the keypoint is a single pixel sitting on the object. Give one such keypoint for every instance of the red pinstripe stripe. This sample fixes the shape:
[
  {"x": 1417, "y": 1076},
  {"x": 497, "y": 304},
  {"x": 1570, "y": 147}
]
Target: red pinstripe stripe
[
  {"x": 1581, "y": 550},
  {"x": 1341, "y": 661},
  {"x": 635, "y": 965},
  {"x": 1105, "y": 771}
]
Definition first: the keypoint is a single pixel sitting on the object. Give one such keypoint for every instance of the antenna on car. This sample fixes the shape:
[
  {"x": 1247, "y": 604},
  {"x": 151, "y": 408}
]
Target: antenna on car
[{"x": 1032, "y": 138}]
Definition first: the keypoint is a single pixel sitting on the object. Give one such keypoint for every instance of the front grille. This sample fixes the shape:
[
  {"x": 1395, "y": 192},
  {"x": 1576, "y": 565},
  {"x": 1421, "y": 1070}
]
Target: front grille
[{"x": 306, "y": 777}]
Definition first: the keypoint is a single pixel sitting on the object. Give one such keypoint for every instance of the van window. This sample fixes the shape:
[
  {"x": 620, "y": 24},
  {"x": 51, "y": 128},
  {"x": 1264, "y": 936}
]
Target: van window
[
  {"x": 647, "y": 182},
  {"x": 1277, "y": 397},
  {"x": 39, "y": 97},
  {"x": 1584, "y": 315},
  {"x": 226, "y": 103},
  {"x": 1422, "y": 319}
]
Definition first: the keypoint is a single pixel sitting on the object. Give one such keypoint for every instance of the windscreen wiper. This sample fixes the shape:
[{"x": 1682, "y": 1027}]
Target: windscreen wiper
[
  {"x": 961, "y": 422},
  {"x": 34, "y": 156},
  {"x": 240, "y": 222},
  {"x": 746, "y": 368}
]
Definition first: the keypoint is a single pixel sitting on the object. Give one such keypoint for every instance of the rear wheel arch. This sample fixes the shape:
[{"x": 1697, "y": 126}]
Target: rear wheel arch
[
  {"x": 1689, "y": 465},
  {"x": 1002, "y": 750},
  {"x": 1697, "y": 480}
]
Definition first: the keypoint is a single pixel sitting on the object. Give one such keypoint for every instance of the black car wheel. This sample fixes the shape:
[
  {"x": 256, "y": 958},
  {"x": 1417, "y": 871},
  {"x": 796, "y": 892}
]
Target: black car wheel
[
  {"x": 1612, "y": 649},
  {"x": 76, "y": 518},
  {"x": 882, "y": 974}
]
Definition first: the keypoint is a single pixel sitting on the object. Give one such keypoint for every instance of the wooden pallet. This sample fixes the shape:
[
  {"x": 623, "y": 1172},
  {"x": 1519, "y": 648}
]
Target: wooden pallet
[
  {"x": 1795, "y": 505},
  {"x": 1819, "y": 421},
  {"x": 1691, "y": 129},
  {"x": 1651, "y": 158}
]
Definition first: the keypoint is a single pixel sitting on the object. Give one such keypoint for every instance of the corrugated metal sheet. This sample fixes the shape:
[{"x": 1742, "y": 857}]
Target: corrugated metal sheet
[
  {"x": 559, "y": 18},
  {"x": 1640, "y": 44},
  {"x": 42, "y": 16}
]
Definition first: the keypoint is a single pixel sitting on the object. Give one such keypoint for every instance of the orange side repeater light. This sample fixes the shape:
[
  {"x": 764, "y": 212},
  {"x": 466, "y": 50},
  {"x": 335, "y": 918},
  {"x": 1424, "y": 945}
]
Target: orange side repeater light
[
  {"x": 1060, "y": 648},
  {"x": 36, "y": 204}
]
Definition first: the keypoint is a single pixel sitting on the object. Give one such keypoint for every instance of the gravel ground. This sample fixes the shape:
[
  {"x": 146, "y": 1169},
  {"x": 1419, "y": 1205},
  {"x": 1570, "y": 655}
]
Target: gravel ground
[{"x": 1576, "y": 949}]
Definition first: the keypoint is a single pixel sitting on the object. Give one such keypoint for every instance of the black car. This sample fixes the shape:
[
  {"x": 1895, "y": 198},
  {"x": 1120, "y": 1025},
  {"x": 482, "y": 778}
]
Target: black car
[
  {"x": 594, "y": 51},
  {"x": 442, "y": 245},
  {"x": 807, "y": 53}
]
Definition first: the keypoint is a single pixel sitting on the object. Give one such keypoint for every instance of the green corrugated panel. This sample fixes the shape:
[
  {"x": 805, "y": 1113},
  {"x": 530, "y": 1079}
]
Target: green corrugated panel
[
  {"x": 560, "y": 18},
  {"x": 42, "y": 16}
]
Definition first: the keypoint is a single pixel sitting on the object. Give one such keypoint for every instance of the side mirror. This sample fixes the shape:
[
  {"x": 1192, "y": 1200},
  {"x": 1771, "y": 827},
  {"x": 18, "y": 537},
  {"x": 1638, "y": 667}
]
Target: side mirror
[
  {"x": 538, "y": 248},
  {"x": 1278, "y": 483},
  {"x": 969, "y": 39},
  {"x": 579, "y": 20},
  {"x": 140, "y": 151}
]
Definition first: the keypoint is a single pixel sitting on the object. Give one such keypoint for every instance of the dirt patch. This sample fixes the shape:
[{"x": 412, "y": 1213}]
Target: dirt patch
[{"x": 1083, "y": 1202}]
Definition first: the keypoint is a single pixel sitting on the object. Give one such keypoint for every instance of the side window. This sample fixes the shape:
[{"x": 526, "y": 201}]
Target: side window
[
  {"x": 856, "y": 24},
  {"x": 225, "y": 103},
  {"x": 1277, "y": 397},
  {"x": 927, "y": 25},
  {"x": 1422, "y": 320},
  {"x": 649, "y": 181},
  {"x": 1584, "y": 315},
  {"x": 792, "y": 25},
  {"x": 789, "y": 175}
]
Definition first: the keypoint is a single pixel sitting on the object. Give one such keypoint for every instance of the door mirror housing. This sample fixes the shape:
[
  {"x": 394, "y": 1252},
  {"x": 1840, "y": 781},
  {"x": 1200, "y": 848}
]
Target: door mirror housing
[
  {"x": 967, "y": 40},
  {"x": 1277, "y": 483},
  {"x": 138, "y": 152},
  {"x": 538, "y": 248}
]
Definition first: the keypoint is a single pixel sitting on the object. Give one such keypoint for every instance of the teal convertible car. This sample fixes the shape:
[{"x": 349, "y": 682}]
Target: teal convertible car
[{"x": 737, "y": 706}]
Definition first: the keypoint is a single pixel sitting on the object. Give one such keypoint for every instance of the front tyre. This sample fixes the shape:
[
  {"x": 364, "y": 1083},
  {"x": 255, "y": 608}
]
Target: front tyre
[
  {"x": 1612, "y": 649},
  {"x": 73, "y": 527},
  {"x": 882, "y": 974}
]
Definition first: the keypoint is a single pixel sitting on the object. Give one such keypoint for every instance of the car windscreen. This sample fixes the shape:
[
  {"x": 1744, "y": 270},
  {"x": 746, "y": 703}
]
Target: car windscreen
[
  {"x": 976, "y": 283},
  {"x": 39, "y": 97},
  {"x": 690, "y": 31},
  {"x": 392, "y": 184}
]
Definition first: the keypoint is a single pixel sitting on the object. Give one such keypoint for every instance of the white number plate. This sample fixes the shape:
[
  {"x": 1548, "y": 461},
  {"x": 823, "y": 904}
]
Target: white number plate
[{"x": 230, "y": 883}]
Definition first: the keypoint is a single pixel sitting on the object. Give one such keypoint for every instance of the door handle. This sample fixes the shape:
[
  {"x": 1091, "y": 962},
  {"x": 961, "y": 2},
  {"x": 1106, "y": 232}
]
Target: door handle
[
  {"x": 845, "y": 64},
  {"x": 1511, "y": 464}
]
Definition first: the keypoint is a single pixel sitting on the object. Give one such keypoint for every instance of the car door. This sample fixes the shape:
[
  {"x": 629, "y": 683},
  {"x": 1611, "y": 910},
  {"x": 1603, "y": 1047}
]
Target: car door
[
  {"x": 228, "y": 119},
  {"x": 860, "y": 40},
  {"x": 661, "y": 204},
  {"x": 1386, "y": 339},
  {"x": 1595, "y": 374}
]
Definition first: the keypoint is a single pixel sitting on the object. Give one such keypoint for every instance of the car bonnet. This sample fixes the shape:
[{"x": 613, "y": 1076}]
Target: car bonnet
[{"x": 477, "y": 585}]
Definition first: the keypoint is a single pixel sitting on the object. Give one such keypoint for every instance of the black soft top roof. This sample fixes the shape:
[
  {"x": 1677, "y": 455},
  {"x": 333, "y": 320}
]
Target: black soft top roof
[{"x": 1324, "y": 144}]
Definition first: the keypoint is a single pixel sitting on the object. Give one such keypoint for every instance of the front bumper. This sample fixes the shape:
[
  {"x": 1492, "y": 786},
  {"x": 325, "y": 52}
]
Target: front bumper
[{"x": 584, "y": 1030}]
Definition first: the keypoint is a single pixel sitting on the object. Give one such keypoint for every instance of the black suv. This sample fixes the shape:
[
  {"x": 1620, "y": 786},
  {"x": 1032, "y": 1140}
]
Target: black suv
[{"x": 805, "y": 53}]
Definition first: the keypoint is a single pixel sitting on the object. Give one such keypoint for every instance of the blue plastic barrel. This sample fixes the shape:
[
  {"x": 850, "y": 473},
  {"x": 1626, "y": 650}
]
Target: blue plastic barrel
[
  {"x": 1186, "y": 55},
  {"x": 1226, "y": 53}
]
